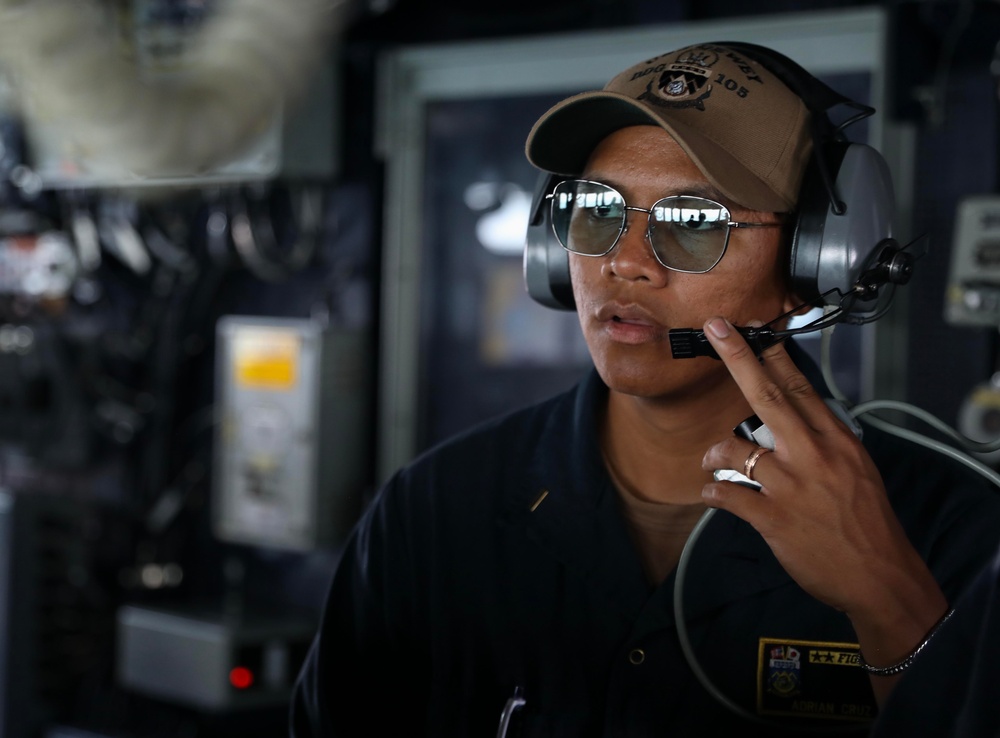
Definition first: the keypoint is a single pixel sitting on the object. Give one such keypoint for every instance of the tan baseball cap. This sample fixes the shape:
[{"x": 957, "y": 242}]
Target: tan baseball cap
[{"x": 743, "y": 127}]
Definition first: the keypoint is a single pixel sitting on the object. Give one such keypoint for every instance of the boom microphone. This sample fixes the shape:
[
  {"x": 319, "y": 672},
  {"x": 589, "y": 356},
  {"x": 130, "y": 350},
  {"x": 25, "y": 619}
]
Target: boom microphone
[{"x": 893, "y": 266}]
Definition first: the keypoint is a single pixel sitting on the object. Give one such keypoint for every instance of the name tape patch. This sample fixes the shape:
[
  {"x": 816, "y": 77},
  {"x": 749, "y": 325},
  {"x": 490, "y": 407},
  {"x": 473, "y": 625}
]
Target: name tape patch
[{"x": 813, "y": 679}]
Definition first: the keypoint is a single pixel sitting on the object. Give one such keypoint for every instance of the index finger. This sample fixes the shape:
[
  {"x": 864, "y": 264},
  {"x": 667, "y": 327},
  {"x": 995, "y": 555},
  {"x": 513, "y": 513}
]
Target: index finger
[{"x": 768, "y": 386}]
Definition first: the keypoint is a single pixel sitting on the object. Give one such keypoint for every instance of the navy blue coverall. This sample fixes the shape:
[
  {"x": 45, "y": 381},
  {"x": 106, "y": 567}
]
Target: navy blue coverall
[{"x": 501, "y": 559}]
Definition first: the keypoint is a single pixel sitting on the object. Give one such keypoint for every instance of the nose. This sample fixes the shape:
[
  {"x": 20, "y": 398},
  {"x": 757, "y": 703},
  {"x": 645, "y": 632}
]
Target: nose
[{"x": 632, "y": 257}]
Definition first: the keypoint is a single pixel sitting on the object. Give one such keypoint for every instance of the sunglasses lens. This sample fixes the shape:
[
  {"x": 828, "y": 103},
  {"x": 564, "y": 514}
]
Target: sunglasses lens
[
  {"x": 587, "y": 217},
  {"x": 689, "y": 233}
]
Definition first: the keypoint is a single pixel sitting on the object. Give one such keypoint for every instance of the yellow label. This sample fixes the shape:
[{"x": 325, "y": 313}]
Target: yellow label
[{"x": 265, "y": 358}]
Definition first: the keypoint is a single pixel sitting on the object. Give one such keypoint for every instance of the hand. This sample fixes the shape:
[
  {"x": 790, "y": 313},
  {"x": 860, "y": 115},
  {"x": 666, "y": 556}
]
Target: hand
[{"x": 823, "y": 508}]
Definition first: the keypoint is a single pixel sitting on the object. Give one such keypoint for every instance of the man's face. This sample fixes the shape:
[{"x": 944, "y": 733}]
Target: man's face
[{"x": 627, "y": 301}]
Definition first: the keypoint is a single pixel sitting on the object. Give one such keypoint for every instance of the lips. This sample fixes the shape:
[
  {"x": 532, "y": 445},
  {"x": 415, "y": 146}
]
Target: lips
[
  {"x": 631, "y": 313},
  {"x": 629, "y": 323}
]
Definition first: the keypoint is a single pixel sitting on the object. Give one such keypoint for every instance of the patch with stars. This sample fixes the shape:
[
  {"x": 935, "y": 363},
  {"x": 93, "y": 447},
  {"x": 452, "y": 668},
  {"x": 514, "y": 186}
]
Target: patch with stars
[{"x": 813, "y": 679}]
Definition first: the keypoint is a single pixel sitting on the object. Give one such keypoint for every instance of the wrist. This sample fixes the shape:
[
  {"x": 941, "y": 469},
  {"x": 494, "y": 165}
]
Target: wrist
[
  {"x": 904, "y": 663},
  {"x": 896, "y": 612}
]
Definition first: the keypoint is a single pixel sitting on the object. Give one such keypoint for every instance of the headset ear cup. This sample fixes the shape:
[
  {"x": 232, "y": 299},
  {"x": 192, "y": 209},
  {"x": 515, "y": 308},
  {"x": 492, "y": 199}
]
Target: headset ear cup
[
  {"x": 810, "y": 222},
  {"x": 829, "y": 250},
  {"x": 546, "y": 263}
]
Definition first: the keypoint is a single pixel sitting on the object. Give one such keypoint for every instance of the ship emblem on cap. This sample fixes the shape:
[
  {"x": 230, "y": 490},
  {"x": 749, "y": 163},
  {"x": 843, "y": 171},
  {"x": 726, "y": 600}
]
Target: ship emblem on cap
[
  {"x": 680, "y": 83},
  {"x": 684, "y": 83}
]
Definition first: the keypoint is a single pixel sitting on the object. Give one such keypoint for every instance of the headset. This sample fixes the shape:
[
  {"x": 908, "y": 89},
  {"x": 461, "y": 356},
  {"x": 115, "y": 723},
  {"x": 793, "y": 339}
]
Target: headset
[{"x": 841, "y": 249}]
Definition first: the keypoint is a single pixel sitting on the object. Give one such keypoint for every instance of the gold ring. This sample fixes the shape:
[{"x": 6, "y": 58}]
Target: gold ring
[{"x": 751, "y": 461}]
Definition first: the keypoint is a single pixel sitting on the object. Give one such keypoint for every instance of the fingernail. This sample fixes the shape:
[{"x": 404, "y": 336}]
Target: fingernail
[{"x": 719, "y": 327}]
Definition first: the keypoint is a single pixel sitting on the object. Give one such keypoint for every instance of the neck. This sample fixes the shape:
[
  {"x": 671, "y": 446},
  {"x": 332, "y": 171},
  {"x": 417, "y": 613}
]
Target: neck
[{"x": 654, "y": 447}]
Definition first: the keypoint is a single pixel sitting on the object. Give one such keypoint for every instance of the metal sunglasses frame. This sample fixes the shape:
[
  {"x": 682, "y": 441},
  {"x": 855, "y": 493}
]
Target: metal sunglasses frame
[{"x": 623, "y": 229}]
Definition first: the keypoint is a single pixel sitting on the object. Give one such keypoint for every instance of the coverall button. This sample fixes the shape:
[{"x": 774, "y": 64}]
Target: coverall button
[{"x": 636, "y": 656}]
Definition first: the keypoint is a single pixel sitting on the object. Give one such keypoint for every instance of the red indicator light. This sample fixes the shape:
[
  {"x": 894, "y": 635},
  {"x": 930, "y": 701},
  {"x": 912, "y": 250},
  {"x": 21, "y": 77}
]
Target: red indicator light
[{"x": 240, "y": 677}]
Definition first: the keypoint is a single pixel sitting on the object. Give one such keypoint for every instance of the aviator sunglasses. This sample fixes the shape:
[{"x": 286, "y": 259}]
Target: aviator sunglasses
[{"x": 688, "y": 234}]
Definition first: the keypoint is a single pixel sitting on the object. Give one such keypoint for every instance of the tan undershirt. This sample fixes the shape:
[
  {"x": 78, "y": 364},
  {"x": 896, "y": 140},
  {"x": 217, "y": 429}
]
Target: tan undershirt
[{"x": 659, "y": 531}]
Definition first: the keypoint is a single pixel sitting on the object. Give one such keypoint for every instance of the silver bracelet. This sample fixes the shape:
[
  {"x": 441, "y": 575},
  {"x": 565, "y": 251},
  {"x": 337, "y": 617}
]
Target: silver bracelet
[{"x": 907, "y": 660}]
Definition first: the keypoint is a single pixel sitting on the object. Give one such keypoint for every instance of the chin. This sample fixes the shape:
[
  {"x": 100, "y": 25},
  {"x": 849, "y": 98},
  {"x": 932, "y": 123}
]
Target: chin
[{"x": 663, "y": 378}]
